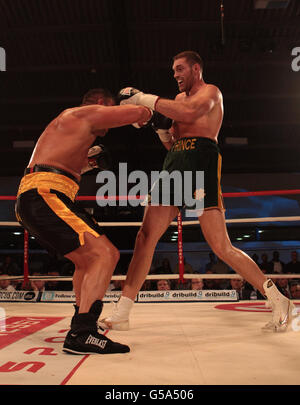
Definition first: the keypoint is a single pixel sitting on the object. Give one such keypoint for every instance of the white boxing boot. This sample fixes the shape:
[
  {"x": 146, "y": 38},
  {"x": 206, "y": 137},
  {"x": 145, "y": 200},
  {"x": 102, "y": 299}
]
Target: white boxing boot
[
  {"x": 281, "y": 306},
  {"x": 119, "y": 319}
]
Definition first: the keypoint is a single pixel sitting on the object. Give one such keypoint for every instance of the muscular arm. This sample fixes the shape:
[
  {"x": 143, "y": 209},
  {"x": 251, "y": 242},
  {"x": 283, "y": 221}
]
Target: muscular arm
[
  {"x": 102, "y": 117},
  {"x": 188, "y": 109}
]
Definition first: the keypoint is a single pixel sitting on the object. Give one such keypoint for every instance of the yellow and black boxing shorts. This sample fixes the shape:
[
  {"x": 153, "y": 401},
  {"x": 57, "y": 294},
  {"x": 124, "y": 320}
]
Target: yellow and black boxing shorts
[
  {"x": 192, "y": 154},
  {"x": 45, "y": 207}
]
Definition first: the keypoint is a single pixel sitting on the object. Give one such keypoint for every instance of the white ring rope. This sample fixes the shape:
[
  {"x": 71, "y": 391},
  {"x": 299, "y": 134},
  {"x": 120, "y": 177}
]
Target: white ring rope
[
  {"x": 168, "y": 276},
  {"x": 186, "y": 223},
  {"x": 155, "y": 277}
]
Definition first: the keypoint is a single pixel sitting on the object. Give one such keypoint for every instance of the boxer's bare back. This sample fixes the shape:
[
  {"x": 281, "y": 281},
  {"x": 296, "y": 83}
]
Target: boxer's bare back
[{"x": 66, "y": 140}]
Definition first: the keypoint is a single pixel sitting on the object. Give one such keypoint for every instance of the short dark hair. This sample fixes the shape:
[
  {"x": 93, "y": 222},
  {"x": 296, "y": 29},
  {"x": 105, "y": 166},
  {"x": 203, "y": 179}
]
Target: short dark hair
[
  {"x": 92, "y": 96},
  {"x": 191, "y": 57}
]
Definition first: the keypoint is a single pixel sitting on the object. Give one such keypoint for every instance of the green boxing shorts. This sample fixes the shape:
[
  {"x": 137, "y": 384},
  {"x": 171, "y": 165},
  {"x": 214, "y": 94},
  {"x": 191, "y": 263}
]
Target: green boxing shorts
[{"x": 186, "y": 158}]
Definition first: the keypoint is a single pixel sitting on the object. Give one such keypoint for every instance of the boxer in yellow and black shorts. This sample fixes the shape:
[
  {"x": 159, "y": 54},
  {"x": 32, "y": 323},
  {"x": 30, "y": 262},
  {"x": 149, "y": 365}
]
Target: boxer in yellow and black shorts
[{"x": 46, "y": 208}]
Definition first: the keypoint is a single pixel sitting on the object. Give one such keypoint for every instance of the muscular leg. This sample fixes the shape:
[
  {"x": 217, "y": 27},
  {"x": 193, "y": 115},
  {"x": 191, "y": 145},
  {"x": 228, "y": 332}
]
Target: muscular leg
[
  {"x": 213, "y": 226},
  {"x": 94, "y": 262},
  {"x": 155, "y": 222},
  {"x": 214, "y": 230},
  {"x": 77, "y": 281}
]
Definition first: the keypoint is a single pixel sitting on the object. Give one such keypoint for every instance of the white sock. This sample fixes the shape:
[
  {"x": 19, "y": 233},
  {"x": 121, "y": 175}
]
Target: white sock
[
  {"x": 122, "y": 309},
  {"x": 272, "y": 293}
]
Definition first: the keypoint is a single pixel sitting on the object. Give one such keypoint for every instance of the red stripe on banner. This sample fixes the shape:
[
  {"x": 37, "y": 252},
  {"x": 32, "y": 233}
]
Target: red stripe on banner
[{"x": 19, "y": 327}]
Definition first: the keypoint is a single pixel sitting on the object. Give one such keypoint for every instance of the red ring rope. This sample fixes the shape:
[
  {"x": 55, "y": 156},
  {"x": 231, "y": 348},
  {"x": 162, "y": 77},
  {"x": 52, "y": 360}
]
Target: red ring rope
[
  {"x": 124, "y": 197},
  {"x": 179, "y": 219}
]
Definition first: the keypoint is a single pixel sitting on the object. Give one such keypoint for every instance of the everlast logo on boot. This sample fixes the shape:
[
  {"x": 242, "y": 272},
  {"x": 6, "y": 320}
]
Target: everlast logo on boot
[{"x": 97, "y": 342}]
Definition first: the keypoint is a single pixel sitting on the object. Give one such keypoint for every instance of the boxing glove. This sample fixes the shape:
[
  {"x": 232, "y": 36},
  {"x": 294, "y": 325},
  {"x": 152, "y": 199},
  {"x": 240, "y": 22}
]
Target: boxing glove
[
  {"x": 157, "y": 121},
  {"x": 161, "y": 126},
  {"x": 130, "y": 95},
  {"x": 98, "y": 158}
]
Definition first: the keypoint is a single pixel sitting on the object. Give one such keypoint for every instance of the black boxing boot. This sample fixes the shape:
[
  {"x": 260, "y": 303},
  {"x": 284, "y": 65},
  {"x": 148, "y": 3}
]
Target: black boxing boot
[
  {"x": 95, "y": 309},
  {"x": 83, "y": 338},
  {"x": 76, "y": 309}
]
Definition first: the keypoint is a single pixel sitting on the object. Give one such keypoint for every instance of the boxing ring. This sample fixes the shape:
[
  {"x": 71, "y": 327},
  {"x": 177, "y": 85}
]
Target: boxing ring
[{"x": 179, "y": 337}]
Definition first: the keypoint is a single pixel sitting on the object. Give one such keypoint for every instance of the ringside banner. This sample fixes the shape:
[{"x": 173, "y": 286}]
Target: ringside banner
[
  {"x": 19, "y": 296},
  {"x": 143, "y": 296},
  {"x": 187, "y": 295},
  {"x": 58, "y": 296},
  {"x": 69, "y": 296}
]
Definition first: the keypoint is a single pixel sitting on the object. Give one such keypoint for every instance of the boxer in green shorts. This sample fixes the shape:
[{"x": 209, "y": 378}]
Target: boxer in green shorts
[
  {"x": 191, "y": 155},
  {"x": 197, "y": 114},
  {"x": 199, "y": 154}
]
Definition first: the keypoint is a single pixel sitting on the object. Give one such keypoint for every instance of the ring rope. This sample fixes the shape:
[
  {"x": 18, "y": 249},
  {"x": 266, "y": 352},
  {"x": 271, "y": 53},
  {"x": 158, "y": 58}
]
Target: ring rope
[
  {"x": 186, "y": 223},
  {"x": 156, "y": 277},
  {"x": 142, "y": 197},
  {"x": 179, "y": 225}
]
